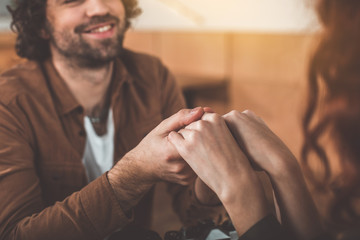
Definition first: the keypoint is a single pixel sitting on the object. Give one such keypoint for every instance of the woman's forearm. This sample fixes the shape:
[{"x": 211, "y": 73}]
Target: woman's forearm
[
  {"x": 246, "y": 205},
  {"x": 297, "y": 208}
]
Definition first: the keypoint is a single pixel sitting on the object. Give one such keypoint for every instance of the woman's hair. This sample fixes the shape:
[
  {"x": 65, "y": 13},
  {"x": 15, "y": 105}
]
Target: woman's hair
[
  {"x": 335, "y": 70},
  {"x": 29, "y": 19}
]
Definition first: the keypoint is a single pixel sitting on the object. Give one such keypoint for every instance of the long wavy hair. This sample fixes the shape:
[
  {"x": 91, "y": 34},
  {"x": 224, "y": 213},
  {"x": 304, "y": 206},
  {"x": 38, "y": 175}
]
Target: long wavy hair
[
  {"x": 29, "y": 18},
  {"x": 334, "y": 85}
]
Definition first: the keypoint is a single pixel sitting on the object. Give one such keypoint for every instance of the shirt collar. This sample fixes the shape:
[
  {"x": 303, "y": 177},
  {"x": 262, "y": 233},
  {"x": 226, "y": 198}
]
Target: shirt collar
[{"x": 65, "y": 101}]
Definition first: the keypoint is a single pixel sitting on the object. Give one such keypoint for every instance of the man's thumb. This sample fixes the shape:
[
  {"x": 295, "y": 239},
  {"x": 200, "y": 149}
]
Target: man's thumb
[{"x": 181, "y": 119}]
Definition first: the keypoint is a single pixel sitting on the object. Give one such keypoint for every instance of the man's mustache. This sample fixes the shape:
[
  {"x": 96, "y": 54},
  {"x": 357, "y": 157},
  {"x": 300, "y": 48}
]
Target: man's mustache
[{"x": 96, "y": 20}]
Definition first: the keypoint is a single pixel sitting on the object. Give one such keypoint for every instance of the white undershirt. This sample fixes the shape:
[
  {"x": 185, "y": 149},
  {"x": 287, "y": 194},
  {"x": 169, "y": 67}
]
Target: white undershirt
[{"x": 99, "y": 150}]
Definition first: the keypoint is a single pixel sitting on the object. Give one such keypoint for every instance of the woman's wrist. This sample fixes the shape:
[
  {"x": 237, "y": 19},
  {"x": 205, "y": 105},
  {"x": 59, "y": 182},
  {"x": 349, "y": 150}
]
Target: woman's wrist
[
  {"x": 234, "y": 187},
  {"x": 284, "y": 168},
  {"x": 246, "y": 202}
]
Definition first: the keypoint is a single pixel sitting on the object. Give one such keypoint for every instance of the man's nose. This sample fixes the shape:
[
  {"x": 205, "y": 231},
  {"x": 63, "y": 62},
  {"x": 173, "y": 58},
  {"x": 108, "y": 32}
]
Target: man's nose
[{"x": 96, "y": 8}]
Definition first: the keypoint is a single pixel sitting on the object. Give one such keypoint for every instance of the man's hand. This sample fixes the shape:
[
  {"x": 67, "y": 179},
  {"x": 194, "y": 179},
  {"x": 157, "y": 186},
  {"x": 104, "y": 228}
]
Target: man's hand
[
  {"x": 158, "y": 157},
  {"x": 152, "y": 160}
]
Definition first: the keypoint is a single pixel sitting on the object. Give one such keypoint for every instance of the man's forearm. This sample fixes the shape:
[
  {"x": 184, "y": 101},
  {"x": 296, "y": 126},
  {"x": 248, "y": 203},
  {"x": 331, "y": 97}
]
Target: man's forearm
[
  {"x": 129, "y": 182},
  {"x": 91, "y": 213}
]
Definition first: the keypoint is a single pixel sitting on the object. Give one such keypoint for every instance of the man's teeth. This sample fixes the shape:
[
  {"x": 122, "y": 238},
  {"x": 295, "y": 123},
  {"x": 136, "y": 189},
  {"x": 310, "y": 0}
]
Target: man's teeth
[{"x": 101, "y": 29}]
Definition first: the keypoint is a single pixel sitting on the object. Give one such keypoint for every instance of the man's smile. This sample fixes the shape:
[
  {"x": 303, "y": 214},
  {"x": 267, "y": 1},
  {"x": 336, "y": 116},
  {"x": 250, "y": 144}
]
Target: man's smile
[
  {"x": 99, "y": 28},
  {"x": 100, "y": 31}
]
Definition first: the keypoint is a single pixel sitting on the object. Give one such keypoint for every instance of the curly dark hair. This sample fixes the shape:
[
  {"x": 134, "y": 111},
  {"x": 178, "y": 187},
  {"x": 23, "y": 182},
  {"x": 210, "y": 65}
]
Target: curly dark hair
[
  {"x": 29, "y": 18},
  {"x": 335, "y": 71}
]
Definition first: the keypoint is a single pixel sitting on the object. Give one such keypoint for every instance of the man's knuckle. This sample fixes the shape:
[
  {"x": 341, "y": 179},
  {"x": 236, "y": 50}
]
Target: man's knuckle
[
  {"x": 183, "y": 112},
  {"x": 187, "y": 178},
  {"x": 178, "y": 168},
  {"x": 168, "y": 157},
  {"x": 183, "y": 183}
]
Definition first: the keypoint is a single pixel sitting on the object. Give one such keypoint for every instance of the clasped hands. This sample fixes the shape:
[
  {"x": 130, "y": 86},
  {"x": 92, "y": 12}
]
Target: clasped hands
[
  {"x": 222, "y": 153},
  {"x": 217, "y": 149}
]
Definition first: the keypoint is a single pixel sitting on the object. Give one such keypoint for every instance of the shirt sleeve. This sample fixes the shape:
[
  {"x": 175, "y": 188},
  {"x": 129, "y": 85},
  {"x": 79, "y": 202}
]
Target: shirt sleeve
[
  {"x": 267, "y": 228},
  {"x": 91, "y": 213},
  {"x": 185, "y": 203}
]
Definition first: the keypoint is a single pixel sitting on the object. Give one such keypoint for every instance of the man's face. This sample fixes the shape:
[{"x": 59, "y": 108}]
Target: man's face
[{"x": 89, "y": 32}]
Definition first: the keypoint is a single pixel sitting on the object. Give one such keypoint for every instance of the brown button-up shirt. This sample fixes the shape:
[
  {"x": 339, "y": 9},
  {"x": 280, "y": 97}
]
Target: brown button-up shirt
[{"x": 44, "y": 192}]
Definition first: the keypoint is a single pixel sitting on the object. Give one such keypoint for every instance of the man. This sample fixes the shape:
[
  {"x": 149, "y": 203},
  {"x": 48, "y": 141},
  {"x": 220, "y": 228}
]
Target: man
[{"x": 82, "y": 105}]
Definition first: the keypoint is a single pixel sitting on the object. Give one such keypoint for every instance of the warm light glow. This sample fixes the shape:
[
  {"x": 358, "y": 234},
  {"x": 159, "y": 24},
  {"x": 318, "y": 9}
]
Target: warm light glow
[{"x": 227, "y": 15}]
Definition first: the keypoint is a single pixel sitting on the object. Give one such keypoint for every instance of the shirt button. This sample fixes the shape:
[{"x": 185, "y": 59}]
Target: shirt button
[
  {"x": 80, "y": 110},
  {"x": 82, "y": 133}
]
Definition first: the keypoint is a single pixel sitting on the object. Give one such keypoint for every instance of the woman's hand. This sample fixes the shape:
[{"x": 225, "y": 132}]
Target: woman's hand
[
  {"x": 263, "y": 148},
  {"x": 268, "y": 152},
  {"x": 211, "y": 151}
]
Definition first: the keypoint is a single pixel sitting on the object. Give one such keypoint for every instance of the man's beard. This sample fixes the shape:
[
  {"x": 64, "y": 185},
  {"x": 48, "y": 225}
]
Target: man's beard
[{"x": 79, "y": 52}]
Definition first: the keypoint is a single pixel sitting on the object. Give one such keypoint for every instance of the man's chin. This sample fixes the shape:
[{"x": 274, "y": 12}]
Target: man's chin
[
  {"x": 94, "y": 62},
  {"x": 90, "y": 55},
  {"x": 94, "y": 57}
]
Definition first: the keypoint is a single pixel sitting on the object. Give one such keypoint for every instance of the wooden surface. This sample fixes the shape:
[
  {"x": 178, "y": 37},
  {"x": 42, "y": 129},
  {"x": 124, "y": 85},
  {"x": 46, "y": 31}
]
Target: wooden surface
[{"x": 269, "y": 77}]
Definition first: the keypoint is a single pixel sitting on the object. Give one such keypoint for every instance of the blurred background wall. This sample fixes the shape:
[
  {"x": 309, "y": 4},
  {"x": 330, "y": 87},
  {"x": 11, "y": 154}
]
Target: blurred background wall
[{"x": 228, "y": 54}]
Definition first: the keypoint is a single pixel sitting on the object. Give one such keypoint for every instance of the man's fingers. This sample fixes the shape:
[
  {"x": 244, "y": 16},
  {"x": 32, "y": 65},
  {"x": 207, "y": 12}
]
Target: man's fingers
[
  {"x": 180, "y": 119},
  {"x": 188, "y": 175},
  {"x": 208, "y": 110},
  {"x": 178, "y": 141},
  {"x": 175, "y": 139}
]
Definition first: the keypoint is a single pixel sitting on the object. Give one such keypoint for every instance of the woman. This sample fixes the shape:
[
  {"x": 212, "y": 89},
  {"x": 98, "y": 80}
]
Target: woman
[
  {"x": 223, "y": 151},
  {"x": 336, "y": 66}
]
